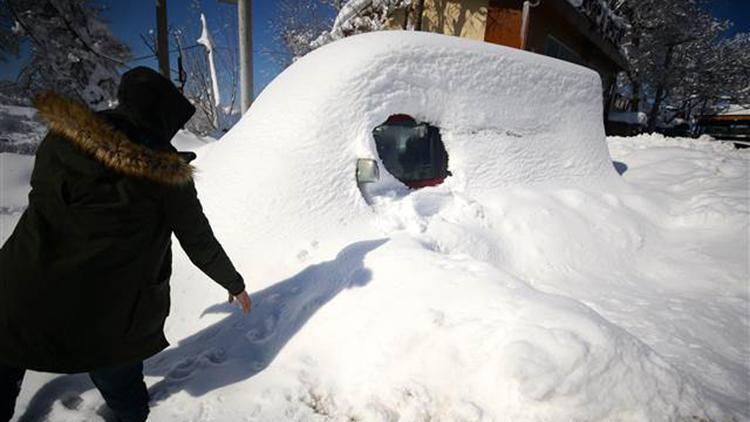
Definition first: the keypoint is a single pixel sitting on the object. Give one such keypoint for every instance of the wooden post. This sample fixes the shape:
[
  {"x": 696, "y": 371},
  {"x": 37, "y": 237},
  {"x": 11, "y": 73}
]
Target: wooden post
[
  {"x": 245, "y": 29},
  {"x": 162, "y": 42}
]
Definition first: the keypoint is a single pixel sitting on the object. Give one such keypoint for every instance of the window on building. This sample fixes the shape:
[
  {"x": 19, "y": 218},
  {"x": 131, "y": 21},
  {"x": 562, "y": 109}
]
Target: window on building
[
  {"x": 555, "y": 48},
  {"x": 721, "y": 130},
  {"x": 412, "y": 152}
]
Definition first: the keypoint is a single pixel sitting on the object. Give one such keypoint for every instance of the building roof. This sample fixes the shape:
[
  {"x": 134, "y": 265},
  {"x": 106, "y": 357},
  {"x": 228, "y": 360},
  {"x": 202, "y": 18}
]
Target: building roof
[
  {"x": 735, "y": 110},
  {"x": 598, "y": 24},
  {"x": 735, "y": 113}
]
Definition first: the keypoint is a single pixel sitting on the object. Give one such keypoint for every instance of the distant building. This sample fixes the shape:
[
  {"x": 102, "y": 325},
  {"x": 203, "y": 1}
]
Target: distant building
[
  {"x": 731, "y": 125},
  {"x": 585, "y": 32}
]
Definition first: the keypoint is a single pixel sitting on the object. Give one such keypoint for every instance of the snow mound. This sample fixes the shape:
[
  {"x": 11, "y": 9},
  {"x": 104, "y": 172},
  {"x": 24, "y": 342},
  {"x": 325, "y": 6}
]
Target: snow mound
[
  {"x": 507, "y": 117},
  {"x": 15, "y": 173},
  {"x": 20, "y": 130}
]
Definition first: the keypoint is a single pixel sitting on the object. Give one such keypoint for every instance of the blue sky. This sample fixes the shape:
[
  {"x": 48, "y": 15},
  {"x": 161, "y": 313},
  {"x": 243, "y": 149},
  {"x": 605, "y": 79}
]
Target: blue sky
[
  {"x": 128, "y": 19},
  {"x": 737, "y": 11}
]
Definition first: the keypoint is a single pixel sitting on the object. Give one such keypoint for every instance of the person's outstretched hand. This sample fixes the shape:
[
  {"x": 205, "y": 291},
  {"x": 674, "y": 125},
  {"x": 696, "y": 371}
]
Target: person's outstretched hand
[{"x": 244, "y": 301}]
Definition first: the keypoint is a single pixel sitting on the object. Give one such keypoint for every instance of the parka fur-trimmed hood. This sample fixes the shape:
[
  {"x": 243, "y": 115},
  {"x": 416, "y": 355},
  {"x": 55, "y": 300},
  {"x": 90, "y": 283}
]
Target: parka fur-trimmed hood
[{"x": 78, "y": 124}]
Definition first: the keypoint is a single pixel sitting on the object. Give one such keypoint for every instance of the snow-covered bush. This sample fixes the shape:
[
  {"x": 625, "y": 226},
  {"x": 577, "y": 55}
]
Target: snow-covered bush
[
  {"x": 360, "y": 16},
  {"x": 72, "y": 51}
]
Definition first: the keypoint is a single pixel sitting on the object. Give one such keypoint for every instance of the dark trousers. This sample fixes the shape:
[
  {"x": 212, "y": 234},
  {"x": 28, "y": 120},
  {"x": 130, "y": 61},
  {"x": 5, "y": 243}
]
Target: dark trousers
[{"x": 121, "y": 386}]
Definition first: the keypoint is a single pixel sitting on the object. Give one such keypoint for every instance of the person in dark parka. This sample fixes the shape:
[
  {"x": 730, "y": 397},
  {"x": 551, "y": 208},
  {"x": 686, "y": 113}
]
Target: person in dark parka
[{"x": 84, "y": 277}]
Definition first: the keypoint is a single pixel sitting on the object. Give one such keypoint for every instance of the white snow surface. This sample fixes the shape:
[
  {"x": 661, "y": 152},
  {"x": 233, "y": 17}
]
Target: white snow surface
[
  {"x": 735, "y": 110},
  {"x": 207, "y": 42},
  {"x": 15, "y": 173},
  {"x": 20, "y": 129},
  {"x": 535, "y": 284}
]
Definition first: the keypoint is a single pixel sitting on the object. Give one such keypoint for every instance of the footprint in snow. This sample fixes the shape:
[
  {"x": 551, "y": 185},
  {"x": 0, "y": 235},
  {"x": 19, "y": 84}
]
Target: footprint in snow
[
  {"x": 71, "y": 401},
  {"x": 183, "y": 369},
  {"x": 273, "y": 298},
  {"x": 271, "y": 321},
  {"x": 216, "y": 355},
  {"x": 263, "y": 333}
]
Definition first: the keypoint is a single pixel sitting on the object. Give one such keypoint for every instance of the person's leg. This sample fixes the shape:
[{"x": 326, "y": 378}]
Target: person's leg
[
  {"x": 124, "y": 390},
  {"x": 10, "y": 385}
]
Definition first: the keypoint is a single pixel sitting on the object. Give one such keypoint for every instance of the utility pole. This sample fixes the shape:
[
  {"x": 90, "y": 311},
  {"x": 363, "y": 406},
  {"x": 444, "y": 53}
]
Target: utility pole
[
  {"x": 162, "y": 42},
  {"x": 245, "y": 30}
]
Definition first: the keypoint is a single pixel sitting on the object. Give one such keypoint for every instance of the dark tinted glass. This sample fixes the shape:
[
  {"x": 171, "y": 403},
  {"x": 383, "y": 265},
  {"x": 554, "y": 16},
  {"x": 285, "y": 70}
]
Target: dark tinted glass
[{"x": 411, "y": 151}]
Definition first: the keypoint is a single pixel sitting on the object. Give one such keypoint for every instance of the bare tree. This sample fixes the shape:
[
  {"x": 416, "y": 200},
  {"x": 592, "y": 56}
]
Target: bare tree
[
  {"x": 195, "y": 79},
  {"x": 359, "y": 16},
  {"x": 297, "y": 24},
  {"x": 678, "y": 63},
  {"x": 72, "y": 51},
  {"x": 304, "y": 25}
]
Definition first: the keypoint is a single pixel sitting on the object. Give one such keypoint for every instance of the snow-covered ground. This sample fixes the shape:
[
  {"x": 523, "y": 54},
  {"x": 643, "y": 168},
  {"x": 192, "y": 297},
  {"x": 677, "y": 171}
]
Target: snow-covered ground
[
  {"x": 534, "y": 284},
  {"x": 20, "y": 130},
  {"x": 554, "y": 304}
]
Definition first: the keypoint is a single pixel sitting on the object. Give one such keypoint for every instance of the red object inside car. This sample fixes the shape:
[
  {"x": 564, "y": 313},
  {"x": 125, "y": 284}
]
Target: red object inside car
[{"x": 416, "y": 184}]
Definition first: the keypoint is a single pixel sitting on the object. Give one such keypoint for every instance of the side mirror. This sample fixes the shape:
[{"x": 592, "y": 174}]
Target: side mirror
[{"x": 367, "y": 171}]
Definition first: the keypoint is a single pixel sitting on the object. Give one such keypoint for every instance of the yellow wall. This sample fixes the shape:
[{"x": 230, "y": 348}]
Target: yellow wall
[{"x": 464, "y": 18}]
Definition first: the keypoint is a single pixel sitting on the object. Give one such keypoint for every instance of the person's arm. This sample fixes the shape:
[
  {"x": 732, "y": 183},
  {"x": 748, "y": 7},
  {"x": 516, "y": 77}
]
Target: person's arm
[{"x": 185, "y": 217}]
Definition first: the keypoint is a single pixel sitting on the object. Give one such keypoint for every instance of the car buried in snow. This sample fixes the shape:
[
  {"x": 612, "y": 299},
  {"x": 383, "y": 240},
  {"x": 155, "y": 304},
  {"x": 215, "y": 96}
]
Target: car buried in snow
[{"x": 383, "y": 114}]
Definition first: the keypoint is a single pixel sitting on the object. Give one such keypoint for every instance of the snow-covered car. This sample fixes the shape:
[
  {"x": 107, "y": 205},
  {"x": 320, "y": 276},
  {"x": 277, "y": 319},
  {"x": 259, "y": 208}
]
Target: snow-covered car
[{"x": 491, "y": 116}]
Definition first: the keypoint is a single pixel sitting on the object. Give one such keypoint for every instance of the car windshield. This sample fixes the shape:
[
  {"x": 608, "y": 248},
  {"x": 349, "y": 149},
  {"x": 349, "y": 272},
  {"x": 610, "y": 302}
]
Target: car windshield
[{"x": 411, "y": 151}]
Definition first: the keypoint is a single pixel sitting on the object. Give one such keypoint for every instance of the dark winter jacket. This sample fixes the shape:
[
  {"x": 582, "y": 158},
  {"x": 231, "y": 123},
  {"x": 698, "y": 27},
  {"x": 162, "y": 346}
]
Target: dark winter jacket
[{"x": 84, "y": 278}]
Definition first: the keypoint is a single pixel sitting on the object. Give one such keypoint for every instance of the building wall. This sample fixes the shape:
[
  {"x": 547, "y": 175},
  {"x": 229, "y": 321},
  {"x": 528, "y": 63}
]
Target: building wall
[
  {"x": 545, "y": 22},
  {"x": 463, "y": 18},
  {"x": 499, "y": 22},
  {"x": 504, "y": 23}
]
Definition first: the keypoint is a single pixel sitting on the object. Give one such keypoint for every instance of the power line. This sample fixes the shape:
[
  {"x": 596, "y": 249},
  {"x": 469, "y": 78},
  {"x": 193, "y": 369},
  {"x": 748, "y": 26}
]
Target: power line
[{"x": 176, "y": 50}]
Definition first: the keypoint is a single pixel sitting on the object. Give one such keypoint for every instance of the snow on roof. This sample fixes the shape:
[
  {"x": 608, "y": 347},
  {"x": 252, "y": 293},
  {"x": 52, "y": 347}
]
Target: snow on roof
[
  {"x": 507, "y": 117},
  {"x": 735, "y": 110},
  {"x": 349, "y": 10}
]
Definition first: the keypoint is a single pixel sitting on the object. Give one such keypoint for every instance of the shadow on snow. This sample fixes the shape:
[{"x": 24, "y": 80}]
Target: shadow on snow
[
  {"x": 237, "y": 347},
  {"x": 620, "y": 167}
]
